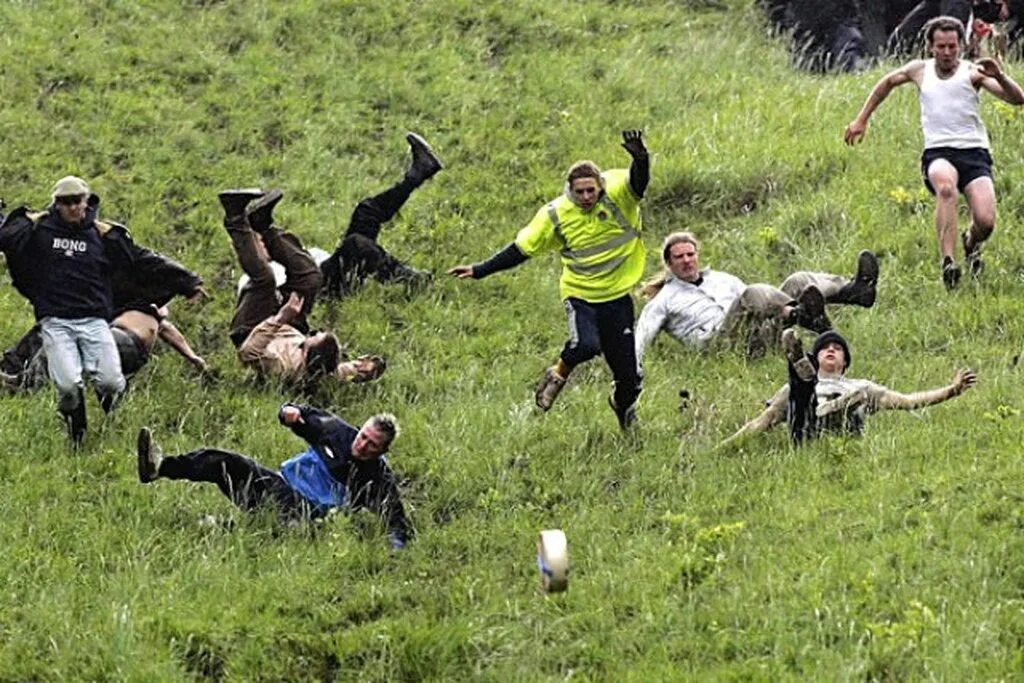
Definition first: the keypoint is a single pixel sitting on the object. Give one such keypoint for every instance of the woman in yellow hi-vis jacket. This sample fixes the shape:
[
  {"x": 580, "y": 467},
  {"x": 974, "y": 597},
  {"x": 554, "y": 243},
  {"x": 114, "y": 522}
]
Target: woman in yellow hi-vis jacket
[{"x": 595, "y": 225}]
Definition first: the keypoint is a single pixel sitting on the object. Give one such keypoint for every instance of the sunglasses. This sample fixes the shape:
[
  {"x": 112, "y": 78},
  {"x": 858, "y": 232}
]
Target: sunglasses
[{"x": 71, "y": 200}]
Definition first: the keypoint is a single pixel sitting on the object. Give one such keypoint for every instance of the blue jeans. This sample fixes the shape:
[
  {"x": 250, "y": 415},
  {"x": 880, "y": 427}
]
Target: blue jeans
[{"x": 78, "y": 347}]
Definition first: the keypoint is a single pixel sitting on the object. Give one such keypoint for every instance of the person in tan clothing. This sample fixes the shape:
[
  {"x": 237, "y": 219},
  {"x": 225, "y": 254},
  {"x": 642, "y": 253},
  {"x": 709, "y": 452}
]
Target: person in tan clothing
[{"x": 270, "y": 336}]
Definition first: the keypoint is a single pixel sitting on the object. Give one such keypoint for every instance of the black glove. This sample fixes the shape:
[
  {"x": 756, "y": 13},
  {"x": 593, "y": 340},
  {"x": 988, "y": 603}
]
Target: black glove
[{"x": 633, "y": 142}]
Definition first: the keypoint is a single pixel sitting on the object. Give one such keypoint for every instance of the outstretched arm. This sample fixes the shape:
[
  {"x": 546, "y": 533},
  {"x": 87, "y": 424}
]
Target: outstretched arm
[
  {"x": 996, "y": 81},
  {"x": 651, "y": 320},
  {"x": 771, "y": 416},
  {"x": 509, "y": 257},
  {"x": 962, "y": 381},
  {"x": 173, "y": 336},
  {"x": 858, "y": 127}
]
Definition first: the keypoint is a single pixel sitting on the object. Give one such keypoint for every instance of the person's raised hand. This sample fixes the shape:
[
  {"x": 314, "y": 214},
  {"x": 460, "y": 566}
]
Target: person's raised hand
[
  {"x": 633, "y": 142},
  {"x": 291, "y": 415},
  {"x": 291, "y": 309}
]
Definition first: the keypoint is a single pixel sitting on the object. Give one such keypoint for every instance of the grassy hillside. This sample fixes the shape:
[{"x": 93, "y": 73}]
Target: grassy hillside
[{"x": 892, "y": 556}]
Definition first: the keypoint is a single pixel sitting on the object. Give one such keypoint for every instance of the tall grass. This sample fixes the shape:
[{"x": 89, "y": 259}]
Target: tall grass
[{"x": 888, "y": 557}]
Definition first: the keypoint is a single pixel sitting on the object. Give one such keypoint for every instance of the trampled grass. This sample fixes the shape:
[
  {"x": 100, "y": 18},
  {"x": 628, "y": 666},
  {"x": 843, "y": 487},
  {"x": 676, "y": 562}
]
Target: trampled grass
[{"x": 893, "y": 556}]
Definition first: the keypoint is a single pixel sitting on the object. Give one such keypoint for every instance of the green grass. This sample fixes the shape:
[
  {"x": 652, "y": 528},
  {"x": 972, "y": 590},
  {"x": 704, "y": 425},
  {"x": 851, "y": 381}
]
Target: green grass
[{"x": 893, "y": 556}]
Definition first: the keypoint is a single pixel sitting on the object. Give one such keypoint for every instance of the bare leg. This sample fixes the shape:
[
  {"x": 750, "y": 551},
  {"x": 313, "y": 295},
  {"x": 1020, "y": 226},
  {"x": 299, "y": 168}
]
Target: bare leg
[
  {"x": 944, "y": 178},
  {"x": 981, "y": 198}
]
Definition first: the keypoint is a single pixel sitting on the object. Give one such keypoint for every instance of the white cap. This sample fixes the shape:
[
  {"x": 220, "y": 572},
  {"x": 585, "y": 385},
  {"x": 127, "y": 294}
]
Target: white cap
[{"x": 69, "y": 186}]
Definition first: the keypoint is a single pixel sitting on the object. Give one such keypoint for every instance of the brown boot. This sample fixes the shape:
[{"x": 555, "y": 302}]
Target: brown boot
[
  {"x": 550, "y": 386},
  {"x": 261, "y": 212},
  {"x": 235, "y": 201},
  {"x": 149, "y": 456}
]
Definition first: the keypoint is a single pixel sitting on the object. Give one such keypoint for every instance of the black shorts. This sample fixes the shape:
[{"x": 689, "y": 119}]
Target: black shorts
[
  {"x": 970, "y": 164},
  {"x": 133, "y": 352}
]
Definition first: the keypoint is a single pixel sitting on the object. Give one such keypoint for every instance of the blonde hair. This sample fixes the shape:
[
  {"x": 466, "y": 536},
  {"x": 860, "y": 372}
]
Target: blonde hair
[{"x": 651, "y": 288}]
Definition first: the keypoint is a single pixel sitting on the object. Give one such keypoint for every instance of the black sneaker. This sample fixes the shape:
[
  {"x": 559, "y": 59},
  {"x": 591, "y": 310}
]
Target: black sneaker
[
  {"x": 425, "y": 162},
  {"x": 235, "y": 201},
  {"x": 627, "y": 418},
  {"x": 149, "y": 456},
  {"x": 412, "y": 278},
  {"x": 810, "y": 311},
  {"x": 261, "y": 212},
  {"x": 794, "y": 351},
  {"x": 950, "y": 273},
  {"x": 972, "y": 256}
]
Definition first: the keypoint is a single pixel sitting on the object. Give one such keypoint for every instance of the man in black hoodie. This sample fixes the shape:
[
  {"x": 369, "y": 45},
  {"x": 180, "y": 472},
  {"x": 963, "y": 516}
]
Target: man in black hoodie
[{"x": 61, "y": 261}]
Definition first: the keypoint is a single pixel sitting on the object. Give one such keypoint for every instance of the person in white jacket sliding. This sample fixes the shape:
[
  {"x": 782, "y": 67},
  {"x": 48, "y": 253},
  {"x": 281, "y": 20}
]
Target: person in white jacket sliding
[{"x": 698, "y": 307}]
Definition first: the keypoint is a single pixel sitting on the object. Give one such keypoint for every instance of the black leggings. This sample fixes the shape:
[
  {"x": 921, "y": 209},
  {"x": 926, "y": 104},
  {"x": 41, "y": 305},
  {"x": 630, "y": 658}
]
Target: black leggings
[
  {"x": 605, "y": 328},
  {"x": 248, "y": 484}
]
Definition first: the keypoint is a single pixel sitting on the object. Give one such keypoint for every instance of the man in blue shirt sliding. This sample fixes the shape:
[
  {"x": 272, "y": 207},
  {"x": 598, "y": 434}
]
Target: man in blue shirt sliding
[{"x": 343, "y": 467}]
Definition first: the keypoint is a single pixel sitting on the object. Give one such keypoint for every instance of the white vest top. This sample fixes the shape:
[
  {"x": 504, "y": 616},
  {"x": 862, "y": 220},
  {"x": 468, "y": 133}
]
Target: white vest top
[{"x": 949, "y": 109}]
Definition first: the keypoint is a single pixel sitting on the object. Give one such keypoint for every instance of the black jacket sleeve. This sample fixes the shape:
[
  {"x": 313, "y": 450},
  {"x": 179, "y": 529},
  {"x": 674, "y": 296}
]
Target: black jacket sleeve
[
  {"x": 152, "y": 279},
  {"x": 639, "y": 175},
  {"x": 15, "y": 236},
  {"x": 509, "y": 257},
  {"x": 316, "y": 425},
  {"x": 15, "y": 231}
]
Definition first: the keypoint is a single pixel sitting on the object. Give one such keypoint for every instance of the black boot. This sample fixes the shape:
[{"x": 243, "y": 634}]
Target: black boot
[
  {"x": 261, "y": 212},
  {"x": 810, "y": 311},
  {"x": 76, "y": 422},
  {"x": 235, "y": 201},
  {"x": 425, "y": 163},
  {"x": 861, "y": 289},
  {"x": 626, "y": 416}
]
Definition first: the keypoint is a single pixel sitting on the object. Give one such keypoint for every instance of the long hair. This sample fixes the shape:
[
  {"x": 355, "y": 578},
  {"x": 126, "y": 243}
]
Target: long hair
[{"x": 651, "y": 288}]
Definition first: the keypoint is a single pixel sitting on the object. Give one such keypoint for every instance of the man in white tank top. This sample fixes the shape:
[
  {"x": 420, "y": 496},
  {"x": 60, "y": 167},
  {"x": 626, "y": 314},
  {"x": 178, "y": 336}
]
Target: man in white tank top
[{"x": 956, "y": 155}]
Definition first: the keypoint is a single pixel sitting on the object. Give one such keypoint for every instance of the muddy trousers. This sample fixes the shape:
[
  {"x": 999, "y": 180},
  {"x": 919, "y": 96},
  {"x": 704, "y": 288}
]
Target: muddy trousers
[{"x": 260, "y": 298}]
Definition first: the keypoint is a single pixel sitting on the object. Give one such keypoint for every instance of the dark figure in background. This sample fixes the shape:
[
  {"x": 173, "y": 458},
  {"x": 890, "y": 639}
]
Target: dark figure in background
[
  {"x": 342, "y": 468},
  {"x": 825, "y": 34},
  {"x": 905, "y": 39}
]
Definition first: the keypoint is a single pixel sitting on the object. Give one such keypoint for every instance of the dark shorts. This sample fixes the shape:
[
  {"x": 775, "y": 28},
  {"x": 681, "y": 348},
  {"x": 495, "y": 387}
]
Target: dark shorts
[
  {"x": 131, "y": 349},
  {"x": 970, "y": 164}
]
